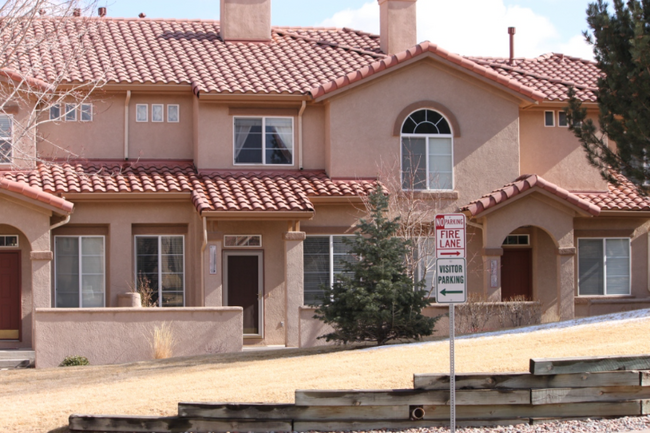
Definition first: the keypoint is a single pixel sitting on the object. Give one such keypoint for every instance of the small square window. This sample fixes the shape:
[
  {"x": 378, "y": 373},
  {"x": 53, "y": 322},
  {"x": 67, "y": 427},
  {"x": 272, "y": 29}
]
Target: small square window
[
  {"x": 141, "y": 113},
  {"x": 86, "y": 112},
  {"x": 549, "y": 118},
  {"x": 561, "y": 119},
  {"x": 70, "y": 112},
  {"x": 173, "y": 113},
  {"x": 55, "y": 112},
  {"x": 157, "y": 113}
]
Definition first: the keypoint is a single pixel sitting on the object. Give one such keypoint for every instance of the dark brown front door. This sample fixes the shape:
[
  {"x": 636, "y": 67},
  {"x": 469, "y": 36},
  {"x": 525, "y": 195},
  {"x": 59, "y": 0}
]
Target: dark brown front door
[
  {"x": 244, "y": 288},
  {"x": 516, "y": 273},
  {"x": 10, "y": 295}
]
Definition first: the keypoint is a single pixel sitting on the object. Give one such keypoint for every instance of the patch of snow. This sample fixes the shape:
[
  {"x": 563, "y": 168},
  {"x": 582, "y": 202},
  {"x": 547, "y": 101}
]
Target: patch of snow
[{"x": 627, "y": 316}]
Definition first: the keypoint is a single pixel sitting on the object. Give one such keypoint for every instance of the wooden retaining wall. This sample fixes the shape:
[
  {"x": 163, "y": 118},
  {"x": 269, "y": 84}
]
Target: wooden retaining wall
[{"x": 571, "y": 388}]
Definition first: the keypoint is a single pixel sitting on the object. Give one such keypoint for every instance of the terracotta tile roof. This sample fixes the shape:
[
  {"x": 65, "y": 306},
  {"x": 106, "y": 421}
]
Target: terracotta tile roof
[
  {"x": 419, "y": 50},
  {"x": 524, "y": 183},
  {"x": 192, "y": 52},
  {"x": 297, "y": 60},
  {"x": 272, "y": 191},
  {"x": 276, "y": 191},
  {"x": 551, "y": 74},
  {"x": 37, "y": 194},
  {"x": 108, "y": 177},
  {"x": 624, "y": 196}
]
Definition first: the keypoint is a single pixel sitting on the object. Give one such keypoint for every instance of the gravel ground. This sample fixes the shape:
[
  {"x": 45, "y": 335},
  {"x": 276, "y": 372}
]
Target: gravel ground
[{"x": 615, "y": 425}]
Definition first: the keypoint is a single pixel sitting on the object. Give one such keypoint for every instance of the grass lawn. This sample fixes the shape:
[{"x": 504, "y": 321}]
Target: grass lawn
[{"x": 42, "y": 400}]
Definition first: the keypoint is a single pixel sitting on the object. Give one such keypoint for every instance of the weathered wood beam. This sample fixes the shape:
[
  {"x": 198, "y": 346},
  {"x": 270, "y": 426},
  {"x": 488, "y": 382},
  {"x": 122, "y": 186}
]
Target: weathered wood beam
[
  {"x": 409, "y": 397},
  {"x": 576, "y": 395},
  {"x": 335, "y": 425},
  {"x": 527, "y": 380},
  {"x": 589, "y": 364},
  {"x": 624, "y": 408},
  {"x": 290, "y": 411},
  {"x": 137, "y": 424}
]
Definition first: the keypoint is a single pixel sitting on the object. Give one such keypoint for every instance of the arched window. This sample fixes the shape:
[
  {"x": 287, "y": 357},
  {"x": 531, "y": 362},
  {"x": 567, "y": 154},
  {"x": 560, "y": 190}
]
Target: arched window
[{"x": 427, "y": 152}]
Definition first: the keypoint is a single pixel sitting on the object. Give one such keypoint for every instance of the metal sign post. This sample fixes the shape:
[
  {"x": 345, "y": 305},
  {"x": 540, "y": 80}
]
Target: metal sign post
[{"x": 451, "y": 285}]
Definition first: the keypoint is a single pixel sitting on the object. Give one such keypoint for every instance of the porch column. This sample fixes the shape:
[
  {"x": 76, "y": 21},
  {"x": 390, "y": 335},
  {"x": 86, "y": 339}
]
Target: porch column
[
  {"x": 566, "y": 282},
  {"x": 294, "y": 287},
  {"x": 41, "y": 274},
  {"x": 492, "y": 273}
]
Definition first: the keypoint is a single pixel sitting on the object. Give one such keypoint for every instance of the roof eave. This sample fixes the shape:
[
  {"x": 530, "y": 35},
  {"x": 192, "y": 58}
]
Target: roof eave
[{"x": 258, "y": 215}]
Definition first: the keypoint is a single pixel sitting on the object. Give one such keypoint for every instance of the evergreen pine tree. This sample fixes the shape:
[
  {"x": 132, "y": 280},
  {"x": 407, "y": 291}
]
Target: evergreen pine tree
[
  {"x": 374, "y": 298},
  {"x": 621, "y": 43}
]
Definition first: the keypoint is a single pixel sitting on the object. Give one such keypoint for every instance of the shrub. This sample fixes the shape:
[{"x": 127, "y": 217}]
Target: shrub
[{"x": 71, "y": 361}]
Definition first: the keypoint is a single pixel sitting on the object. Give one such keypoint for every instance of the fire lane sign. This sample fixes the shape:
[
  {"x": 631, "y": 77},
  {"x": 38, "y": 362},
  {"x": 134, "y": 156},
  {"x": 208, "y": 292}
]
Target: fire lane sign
[
  {"x": 450, "y": 235},
  {"x": 451, "y": 283}
]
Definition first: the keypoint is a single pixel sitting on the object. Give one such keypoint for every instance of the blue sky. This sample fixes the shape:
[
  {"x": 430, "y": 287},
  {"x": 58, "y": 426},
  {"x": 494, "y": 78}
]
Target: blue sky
[{"x": 472, "y": 27}]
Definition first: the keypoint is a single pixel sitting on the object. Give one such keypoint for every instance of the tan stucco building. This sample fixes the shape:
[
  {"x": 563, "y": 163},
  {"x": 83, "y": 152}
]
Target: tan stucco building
[{"x": 221, "y": 163}]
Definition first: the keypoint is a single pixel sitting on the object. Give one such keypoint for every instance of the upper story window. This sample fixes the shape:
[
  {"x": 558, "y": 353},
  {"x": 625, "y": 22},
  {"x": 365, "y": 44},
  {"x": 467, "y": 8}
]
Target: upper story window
[
  {"x": 427, "y": 152},
  {"x": 70, "y": 113},
  {"x": 6, "y": 142},
  {"x": 263, "y": 140}
]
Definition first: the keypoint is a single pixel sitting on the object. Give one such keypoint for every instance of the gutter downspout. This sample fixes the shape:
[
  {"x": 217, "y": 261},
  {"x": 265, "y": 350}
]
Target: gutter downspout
[
  {"x": 302, "y": 110},
  {"x": 203, "y": 246},
  {"x": 61, "y": 223},
  {"x": 126, "y": 125}
]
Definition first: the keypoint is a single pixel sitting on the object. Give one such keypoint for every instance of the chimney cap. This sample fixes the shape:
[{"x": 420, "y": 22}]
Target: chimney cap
[
  {"x": 142, "y": 15},
  {"x": 101, "y": 11},
  {"x": 76, "y": 12},
  {"x": 511, "y": 30}
]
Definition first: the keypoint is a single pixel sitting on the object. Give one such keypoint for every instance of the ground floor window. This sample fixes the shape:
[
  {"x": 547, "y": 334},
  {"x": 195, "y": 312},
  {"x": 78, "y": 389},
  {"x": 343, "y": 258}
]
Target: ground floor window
[
  {"x": 160, "y": 267},
  {"x": 604, "y": 266},
  {"x": 79, "y": 271},
  {"x": 323, "y": 260}
]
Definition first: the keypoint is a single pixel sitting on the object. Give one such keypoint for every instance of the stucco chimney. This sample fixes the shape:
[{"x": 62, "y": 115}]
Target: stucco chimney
[
  {"x": 397, "y": 25},
  {"x": 246, "y": 20}
]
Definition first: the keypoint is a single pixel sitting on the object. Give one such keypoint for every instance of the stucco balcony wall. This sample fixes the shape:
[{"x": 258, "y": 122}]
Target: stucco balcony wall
[{"x": 119, "y": 335}]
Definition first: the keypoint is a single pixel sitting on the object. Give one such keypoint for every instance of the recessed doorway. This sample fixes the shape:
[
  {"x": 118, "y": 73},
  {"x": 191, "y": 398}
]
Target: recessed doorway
[{"x": 243, "y": 277}]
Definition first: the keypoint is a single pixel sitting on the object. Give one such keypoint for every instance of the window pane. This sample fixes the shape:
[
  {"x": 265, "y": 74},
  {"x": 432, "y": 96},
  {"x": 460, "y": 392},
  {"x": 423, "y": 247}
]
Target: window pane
[
  {"x": 426, "y": 128},
  {"x": 172, "y": 282},
  {"x": 590, "y": 267},
  {"x": 172, "y": 299},
  {"x": 172, "y": 113},
  {"x": 316, "y": 268},
  {"x": 70, "y": 112},
  {"x": 141, "y": 112},
  {"x": 67, "y": 271},
  {"x": 248, "y": 141},
  {"x": 548, "y": 118},
  {"x": 157, "y": 113},
  {"x": 172, "y": 263},
  {"x": 92, "y": 246},
  {"x": 561, "y": 119},
  {"x": 86, "y": 112},
  {"x": 279, "y": 141},
  {"x": 414, "y": 163},
  {"x": 55, "y": 112},
  {"x": 5, "y": 151},
  {"x": 171, "y": 244},
  {"x": 617, "y": 264}
]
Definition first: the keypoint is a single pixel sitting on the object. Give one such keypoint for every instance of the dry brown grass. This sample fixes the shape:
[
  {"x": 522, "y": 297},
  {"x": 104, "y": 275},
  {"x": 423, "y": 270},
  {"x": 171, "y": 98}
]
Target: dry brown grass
[
  {"x": 41, "y": 400},
  {"x": 162, "y": 341}
]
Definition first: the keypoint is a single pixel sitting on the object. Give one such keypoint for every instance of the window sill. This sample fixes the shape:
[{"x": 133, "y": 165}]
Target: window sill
[
  {"x": 604, "y": 299},
  {"x": 434, "y": 194}
]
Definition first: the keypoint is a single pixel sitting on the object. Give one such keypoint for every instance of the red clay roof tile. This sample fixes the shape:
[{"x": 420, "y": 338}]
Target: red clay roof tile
[
  {"x": 624, "y": 196},
  {"x": 524, "y": 183},
  {"x": 209, "y": 191},
  {"x": 296, "y": 60},
  {"x": 37, "y": 194}
]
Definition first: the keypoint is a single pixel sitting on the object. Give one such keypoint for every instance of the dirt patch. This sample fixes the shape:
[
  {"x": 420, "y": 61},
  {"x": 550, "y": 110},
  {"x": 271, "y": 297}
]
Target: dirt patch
[{"x": 42, "y": 400}]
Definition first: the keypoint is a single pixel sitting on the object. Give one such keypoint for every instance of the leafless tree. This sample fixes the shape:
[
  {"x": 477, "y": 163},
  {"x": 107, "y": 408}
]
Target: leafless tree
[{"x": 41, "y": 43}]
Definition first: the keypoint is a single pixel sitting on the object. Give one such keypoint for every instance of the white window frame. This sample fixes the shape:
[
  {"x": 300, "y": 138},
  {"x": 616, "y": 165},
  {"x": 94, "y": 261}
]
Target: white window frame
[
  {"x": 566, "y": 119},
  {"x": 81, "y": 111},
  {"x": 49, "y": 112},
  {"x": 146, "y": 113},
  {"x": 330, "y": 255},
  {"x": 552, "y": 117},
  {"x": 225, "y": 243},
  {"x": 10, "y": 246},
  {"x": 159, "y": 289},
  {"x": 178, "y": 113},
  {"x": 427, "y": 137},
  {"x": 162, "y": 113},
  {"x": 72, "y": 113},
  {"x": 10, "y": 139},
  {"x": 264, "y": 163},
  {"x": 629, "y": 271},
  {"x": 79, "y": 238}
]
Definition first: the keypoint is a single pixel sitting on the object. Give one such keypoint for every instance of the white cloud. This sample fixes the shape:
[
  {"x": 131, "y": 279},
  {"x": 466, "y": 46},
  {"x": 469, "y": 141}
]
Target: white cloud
[
  {"x": 472, "y": 27},
  {"x": 577, "y": 47}
]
